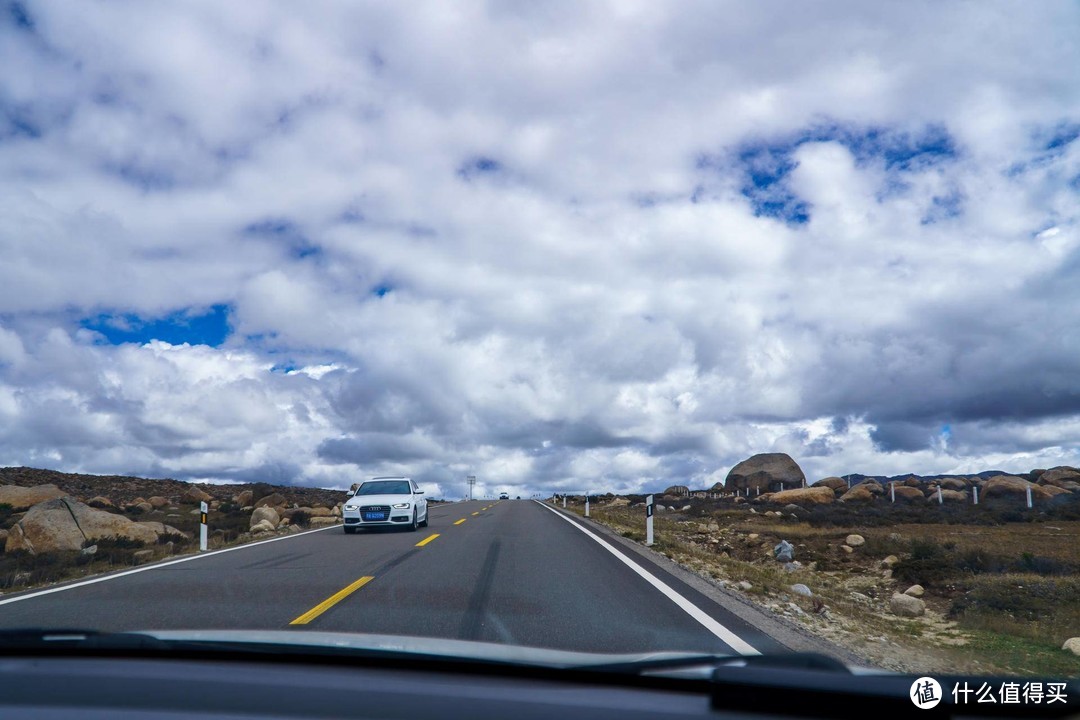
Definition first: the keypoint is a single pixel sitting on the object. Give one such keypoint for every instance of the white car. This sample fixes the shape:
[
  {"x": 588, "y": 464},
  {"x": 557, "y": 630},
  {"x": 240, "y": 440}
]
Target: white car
[{"x": 385, "y": 502}]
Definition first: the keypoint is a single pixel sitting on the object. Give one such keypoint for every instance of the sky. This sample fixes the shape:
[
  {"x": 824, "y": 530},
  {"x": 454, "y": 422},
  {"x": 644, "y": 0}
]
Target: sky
[{"x": 561, "y": 246}]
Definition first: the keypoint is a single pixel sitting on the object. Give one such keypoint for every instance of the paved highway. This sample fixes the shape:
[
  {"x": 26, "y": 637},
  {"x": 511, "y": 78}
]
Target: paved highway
[{"x": 513, "y": 571}]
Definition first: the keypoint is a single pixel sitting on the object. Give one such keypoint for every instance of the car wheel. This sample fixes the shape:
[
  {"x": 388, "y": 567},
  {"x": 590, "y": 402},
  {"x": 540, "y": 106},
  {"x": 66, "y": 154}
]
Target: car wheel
[
  {"x": 413, "y": 525},
  {"x": 424, "y": 522},
  {"x": 350, "y": 531}
]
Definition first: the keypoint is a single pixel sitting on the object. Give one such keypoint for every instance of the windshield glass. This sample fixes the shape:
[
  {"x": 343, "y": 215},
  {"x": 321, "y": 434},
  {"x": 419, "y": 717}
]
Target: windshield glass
[
  {"x": 385, "y": 487},
  {"x": 733, "y": 328}
]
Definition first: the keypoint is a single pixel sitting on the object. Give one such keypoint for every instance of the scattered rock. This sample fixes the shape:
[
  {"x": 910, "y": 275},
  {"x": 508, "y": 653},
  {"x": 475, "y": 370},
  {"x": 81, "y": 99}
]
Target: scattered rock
[
  {"x": 906, "y": 606},
  {"x": 752, "y": 537},
  {"x": 263, "y": 526},
  {"x": 953, "y": 496},
  {"x": 800, "y": 589},
  {"x": 101, "y": 502},
  {"x": 855, "y": 540},
  {"x": 713, "y": 527},
  {"x": 784, "y": 551},
  {"x": 157, "y": 501},
  {"x": 847, "y": 549},
  {"x": 793, "y": 566},
  {"x": 143, "y": 507},
  {"x": 1059, "y": 475},
  {"x": 22, "y": 498},
  {"x": 1072, "y": 645},
  {"x": 619, "y": 502},
  {"x": 952, "y": 483},
  {"x": 890, "y": 561},
  {"x": 92, "y": 550},
  {"x": 744, "y": 585},
  {"x": 915, "y": 591},
  {"x": 245, "y": 497}
]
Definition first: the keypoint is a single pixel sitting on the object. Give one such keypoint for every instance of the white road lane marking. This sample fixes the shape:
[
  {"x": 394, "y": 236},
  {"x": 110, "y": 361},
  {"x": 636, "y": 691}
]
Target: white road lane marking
[{"x": 733, "y": 641}]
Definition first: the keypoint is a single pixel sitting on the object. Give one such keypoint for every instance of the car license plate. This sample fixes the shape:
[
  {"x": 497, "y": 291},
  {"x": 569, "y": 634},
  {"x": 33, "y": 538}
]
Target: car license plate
[{"x": 374, "y": 516}]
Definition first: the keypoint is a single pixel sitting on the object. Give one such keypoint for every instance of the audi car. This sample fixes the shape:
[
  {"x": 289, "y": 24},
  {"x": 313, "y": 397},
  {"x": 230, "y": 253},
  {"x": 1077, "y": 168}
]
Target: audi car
[{"x": 386, "y": 502}]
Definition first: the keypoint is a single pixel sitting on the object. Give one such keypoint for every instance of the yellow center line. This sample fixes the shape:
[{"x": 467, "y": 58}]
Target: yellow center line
[
  {"x": 460, "y": 521},
  {"x": 426, "y": 540},
  {"x": 331, "y": 601},
  {"x": 476, "y": 513}
]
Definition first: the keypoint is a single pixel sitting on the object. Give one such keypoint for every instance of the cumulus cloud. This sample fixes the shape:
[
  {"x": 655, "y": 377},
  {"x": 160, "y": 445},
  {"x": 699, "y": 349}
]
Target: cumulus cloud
[{"x": 557, "y": 246}]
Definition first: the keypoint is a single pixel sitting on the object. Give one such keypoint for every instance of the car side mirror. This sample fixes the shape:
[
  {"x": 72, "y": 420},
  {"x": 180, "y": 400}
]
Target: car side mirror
[
  {"x": 350, "y": 493},
  {"x": 419, "y": 492}
]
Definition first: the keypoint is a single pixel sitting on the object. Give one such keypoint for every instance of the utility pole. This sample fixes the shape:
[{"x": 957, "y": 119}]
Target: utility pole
[{"x": 472, "y": 481}]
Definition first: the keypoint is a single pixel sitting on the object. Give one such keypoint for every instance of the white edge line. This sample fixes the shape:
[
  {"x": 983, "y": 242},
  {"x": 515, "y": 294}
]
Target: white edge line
[
  {"x": 735, "y": 642},
  {"x": 157, "y": 566}
]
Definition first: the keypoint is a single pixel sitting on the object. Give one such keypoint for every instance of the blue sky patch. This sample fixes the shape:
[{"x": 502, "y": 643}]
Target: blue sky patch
[
  {"x": 764, "y": 166},
  {"x": 479, "y": 166},
  {"x": 193, "y": 326},
  {"x": 286, "y": 233},
  {"x": 20, "y": 17}
]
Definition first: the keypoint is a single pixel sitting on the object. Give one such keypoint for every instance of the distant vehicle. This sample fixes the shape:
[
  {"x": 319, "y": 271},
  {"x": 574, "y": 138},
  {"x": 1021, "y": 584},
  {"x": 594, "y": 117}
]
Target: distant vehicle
[
  {"x": 504, "y": 496},
  {"x": 384, "y": 502}
]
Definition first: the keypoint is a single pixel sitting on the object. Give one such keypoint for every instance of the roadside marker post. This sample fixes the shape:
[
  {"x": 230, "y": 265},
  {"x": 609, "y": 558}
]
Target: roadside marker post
[
  {"x": 892, "y": 491},
  {"x": 586, "y": 505},
  {"x": 939, "y": 500},
  {"x": 648, "y": 520},
  {"x": 564, "y": 500},
  {"x": 1028, "y": 489},
  {"x": 202, "y": 526},
  {"x": 975, "y": 493}
]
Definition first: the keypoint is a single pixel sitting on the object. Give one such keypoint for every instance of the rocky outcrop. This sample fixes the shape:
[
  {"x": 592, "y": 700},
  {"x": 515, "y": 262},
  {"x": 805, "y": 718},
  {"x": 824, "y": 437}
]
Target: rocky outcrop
[
  {"x": 21, "y": 498},
  {"x": 245, "y": 498},
  {"x": 907, "y": 493},
  {"x": 803, "y": 496},
  {"x": 157, "y": 501},
  {"x": 767, "y": 472},
  {"x": 952, "y": 483},
  {"x": 678, "y": 491},
  {"x": 66, "y": 524}
]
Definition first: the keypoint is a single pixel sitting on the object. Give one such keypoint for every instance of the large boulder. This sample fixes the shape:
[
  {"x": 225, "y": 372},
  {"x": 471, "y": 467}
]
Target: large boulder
[
  {"x": 195, "y": 494},
  {"x": 245, "y": 498},
  {"x": 954, "y": 496},
  {"x": 907, "y": 493},
  {"x": 906, "y": 606},
  {"x": 66, "y": 524},
  {"x": 953, "y": 483},
  {"x": 1059, "y": 475},
  {"x": 276, "y": 500},
  {"x": 767, "y": 472},
  {"x": 859, "y": 493},
  {"x": 678, "y": 491},
  {"x": 265, "y": 513},
  {"x": 817, "y": 495},
  {"x": 21, "y": 498},
  {"x": 157, "y": 501},
  {"x": 1012, "y": 486},
  {"x": 838, "y": 484}
]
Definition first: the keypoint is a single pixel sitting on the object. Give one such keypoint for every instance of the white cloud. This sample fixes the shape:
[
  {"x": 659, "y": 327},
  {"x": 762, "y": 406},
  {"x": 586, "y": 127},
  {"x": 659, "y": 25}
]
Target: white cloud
[{"x": 520, "y": 240}]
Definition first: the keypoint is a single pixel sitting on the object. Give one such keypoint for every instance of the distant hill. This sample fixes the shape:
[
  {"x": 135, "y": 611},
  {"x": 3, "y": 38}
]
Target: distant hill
[{"x": 122, "y": 489}]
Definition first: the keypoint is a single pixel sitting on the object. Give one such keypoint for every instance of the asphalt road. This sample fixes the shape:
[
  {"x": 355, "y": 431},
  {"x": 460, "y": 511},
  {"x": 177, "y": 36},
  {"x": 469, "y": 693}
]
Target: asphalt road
[{"x": 513, "y": 572}]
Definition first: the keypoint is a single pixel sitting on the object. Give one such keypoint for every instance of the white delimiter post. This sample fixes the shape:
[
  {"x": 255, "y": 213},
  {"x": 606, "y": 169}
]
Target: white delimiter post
[
  {"x": 1028, "y": 488},
  {"x": 564, "y": 500},
  {"x": 892, "y": 491},
  {"x": 202, "y": 526},
  {"x": 975, "y": 493},
  {"x": 586, "y": 505},
  {"x": 648, "y": 520},
  {"x": 939, "y": 500}
]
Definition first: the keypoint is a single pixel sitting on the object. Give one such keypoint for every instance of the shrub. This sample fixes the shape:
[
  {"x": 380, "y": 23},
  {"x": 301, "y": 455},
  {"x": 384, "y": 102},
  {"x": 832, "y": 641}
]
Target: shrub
[{"x": 929, "y": 564}]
